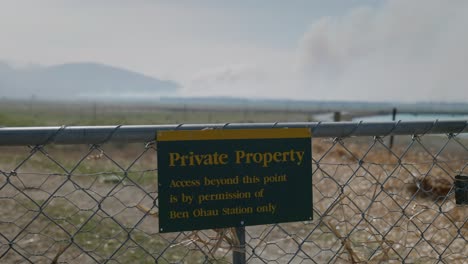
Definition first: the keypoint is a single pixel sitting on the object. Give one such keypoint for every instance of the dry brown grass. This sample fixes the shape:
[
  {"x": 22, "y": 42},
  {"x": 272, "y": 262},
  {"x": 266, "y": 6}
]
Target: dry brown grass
[{"x": 371, "y": 205}]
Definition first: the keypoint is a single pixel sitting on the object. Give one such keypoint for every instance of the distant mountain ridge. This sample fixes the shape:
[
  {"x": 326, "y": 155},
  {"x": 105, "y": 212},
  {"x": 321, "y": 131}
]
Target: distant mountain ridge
[{"x": 78, "y": 79}]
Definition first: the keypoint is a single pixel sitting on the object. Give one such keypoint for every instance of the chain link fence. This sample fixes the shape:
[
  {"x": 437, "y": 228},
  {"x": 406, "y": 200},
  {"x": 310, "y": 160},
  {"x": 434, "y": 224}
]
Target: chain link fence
[{"x": 90, "y": 195}]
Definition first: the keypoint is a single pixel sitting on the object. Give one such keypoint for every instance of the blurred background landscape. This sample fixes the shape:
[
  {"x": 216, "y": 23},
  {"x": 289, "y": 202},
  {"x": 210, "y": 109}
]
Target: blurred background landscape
[
  {"x": 141, "y": 62},
  {"x": 152, "y": 62}
]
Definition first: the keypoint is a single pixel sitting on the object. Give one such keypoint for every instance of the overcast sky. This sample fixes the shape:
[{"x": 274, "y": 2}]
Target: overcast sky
[{"x": 385, "y": 50}]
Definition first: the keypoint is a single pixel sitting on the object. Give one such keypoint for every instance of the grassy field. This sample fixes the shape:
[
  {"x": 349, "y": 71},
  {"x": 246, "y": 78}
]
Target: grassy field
[
  {"x": 59, "y": 214},
  {"x": 370, "y": 205},
  {"x": 34, "y": 113}
]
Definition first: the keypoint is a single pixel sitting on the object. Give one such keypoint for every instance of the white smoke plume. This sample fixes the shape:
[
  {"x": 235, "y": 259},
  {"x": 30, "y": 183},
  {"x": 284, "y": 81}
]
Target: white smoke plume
[
  {"x": 399, "y": 51},
  {"x": 248, "y": 80},
  {"x": 405, "y": 50}
]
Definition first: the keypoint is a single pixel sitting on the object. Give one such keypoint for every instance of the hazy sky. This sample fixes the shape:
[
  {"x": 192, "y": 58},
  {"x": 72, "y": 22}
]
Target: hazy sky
[{"x": 410, "y": 50}]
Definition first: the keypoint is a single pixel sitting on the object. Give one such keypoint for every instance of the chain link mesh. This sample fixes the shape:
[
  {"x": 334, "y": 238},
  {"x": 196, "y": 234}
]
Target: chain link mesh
[{"x": 372, "y": 204}]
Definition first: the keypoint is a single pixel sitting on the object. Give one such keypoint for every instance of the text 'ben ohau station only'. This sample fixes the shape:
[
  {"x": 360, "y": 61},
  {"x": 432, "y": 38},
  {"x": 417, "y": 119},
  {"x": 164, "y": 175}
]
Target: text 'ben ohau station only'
[{"x": 230, "y": 178}]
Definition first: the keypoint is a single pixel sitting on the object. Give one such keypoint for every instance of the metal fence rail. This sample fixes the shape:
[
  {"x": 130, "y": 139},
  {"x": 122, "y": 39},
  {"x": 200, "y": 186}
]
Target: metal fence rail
[
  {"x": 89, "y": 195},
  {"x": 128, "y": 134}
]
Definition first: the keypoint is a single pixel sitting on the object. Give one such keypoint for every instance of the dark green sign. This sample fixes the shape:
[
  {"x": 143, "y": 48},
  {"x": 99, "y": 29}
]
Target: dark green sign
[{"x": 229, "y": 178}]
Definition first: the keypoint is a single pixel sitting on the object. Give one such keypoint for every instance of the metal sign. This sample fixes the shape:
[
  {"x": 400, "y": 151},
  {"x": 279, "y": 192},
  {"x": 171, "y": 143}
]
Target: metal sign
[{"x": 230, "y": 178}]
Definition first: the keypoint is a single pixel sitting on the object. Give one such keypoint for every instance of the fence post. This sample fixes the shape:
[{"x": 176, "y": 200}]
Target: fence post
[
  {"x": 337, "y": 116},
  {"x": 95, "y": 113},
  {"x": 393, "y": 119},
  {"x": 238, "y": 255}
]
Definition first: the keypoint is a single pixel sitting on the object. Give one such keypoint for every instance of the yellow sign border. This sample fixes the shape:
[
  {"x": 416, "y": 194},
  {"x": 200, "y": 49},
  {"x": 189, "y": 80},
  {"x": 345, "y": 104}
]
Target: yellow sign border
[{"x": 225, "y": 134}]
